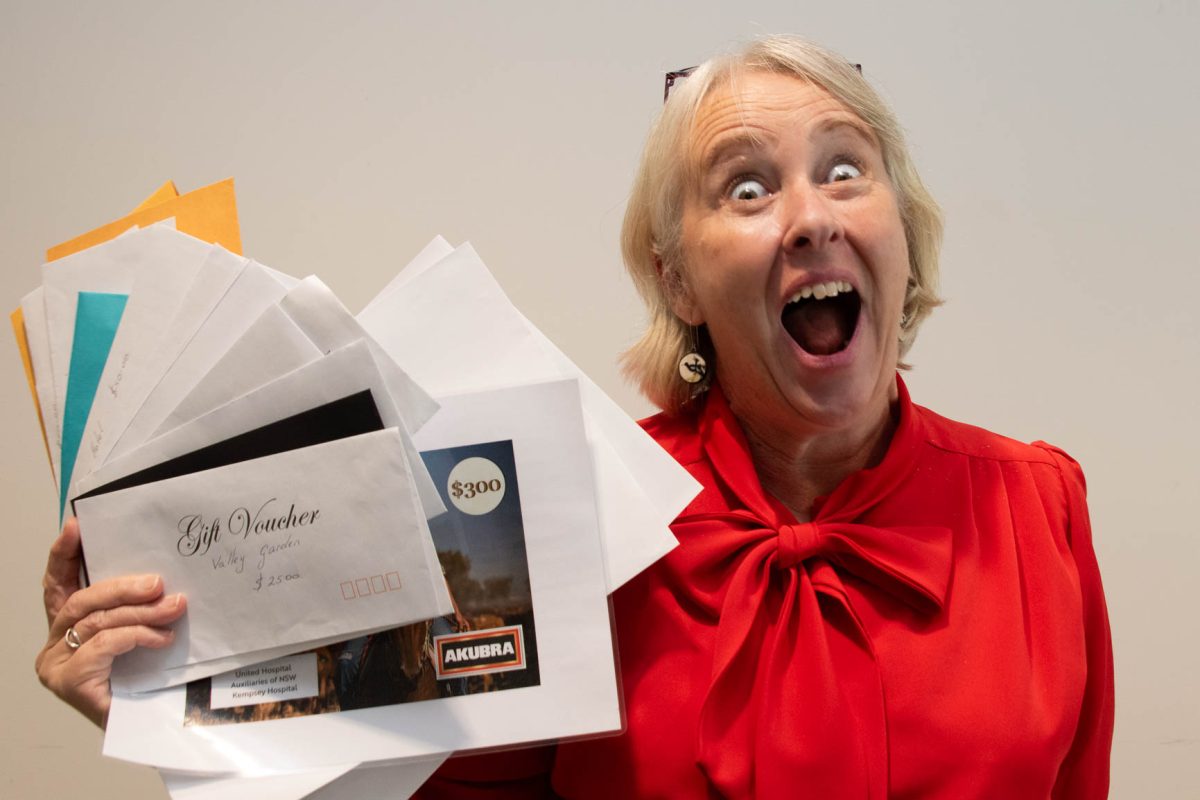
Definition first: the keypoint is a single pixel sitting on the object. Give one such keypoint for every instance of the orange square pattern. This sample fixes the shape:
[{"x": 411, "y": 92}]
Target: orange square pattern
[{"x": 372, "y": 584}]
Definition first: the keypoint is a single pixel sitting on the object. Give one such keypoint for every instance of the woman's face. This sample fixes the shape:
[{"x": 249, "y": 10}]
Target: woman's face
[{"x": 794, "y": 256}]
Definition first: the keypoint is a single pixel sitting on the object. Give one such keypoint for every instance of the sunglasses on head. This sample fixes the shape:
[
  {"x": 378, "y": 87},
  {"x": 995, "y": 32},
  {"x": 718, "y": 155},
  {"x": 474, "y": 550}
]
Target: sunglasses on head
[{"x": 677, "y": 75}]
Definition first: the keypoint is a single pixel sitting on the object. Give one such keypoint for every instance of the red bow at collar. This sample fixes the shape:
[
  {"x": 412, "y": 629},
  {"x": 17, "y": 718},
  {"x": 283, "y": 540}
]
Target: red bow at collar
[{"x": 795, "y": 707}]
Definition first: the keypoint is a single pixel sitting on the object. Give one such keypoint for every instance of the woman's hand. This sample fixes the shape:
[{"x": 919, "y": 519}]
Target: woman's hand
[{"x": 108, "y": 618}]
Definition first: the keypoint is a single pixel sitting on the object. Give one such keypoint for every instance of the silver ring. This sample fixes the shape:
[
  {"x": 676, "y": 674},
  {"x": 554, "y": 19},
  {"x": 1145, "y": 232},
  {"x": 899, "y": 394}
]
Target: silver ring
[{"x": 72, "y": 639}]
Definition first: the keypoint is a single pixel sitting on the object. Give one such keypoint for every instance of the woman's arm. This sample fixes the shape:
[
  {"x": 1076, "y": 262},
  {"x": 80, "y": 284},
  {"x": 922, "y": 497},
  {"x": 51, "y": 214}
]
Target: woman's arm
[
  {"x": 110, "y": 618},
  {"x": 1084, "y": 774}
]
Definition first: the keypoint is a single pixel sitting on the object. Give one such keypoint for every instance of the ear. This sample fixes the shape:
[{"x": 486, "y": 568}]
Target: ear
[
  {"x": 679, "y": 293},
  {"x": 685, "y": 307}
]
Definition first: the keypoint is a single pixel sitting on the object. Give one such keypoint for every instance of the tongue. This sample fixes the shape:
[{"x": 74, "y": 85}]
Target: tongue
[{"x": 819, "y": 327}]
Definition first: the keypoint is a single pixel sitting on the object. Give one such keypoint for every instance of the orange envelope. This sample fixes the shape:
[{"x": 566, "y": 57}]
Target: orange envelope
[
  {"x": 209, "y": 214},
  {"x": 18, "y": 325},
  {"x": 162, "y": 194}
]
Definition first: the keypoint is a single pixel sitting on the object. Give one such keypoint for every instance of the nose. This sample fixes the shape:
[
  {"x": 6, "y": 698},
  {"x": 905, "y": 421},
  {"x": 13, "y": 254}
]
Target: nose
[{"x": 812, "y": 221}]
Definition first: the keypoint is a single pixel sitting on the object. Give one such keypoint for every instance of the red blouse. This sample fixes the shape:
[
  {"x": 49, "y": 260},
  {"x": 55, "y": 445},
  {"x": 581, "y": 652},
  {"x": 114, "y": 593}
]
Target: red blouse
[{"x": 938, "y": 630}]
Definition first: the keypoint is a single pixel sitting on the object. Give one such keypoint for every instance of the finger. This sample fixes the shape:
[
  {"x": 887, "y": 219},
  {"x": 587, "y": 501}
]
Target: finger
[
  {"x": 63, "y": 564},
  {"x": 92, "y": 663},
  {"x": 159, "y": 613},
  {"x": 60, "y": 669},
  {"x": 81, "y": 677},
  {"x": 124, "y": 591},
  {"x": 62, "y": 568},
  {"x": 99, "y": 651}
]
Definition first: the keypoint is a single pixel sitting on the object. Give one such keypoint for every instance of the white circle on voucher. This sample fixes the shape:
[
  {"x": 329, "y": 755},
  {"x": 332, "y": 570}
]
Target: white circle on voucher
[{"x": 475, "y": 485}]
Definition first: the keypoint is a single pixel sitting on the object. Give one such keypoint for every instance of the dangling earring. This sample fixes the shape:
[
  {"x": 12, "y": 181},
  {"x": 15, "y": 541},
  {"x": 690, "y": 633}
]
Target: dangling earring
[{"x": 692, "y": 367}]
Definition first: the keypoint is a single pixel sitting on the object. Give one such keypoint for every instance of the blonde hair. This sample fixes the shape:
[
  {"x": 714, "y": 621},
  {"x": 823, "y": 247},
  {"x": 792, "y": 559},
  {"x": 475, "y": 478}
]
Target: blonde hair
[{"x": 651, "y": 233}]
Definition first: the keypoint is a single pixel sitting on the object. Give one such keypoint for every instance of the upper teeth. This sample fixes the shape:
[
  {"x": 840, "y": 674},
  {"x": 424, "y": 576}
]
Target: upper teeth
[{"x": 821, "y": 290}]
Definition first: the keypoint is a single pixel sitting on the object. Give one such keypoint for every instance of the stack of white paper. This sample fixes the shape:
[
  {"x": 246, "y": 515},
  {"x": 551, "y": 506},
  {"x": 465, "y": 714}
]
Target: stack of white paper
[
  {"x": 372, "y": 576},
  {"x": 249, "y": 519}
]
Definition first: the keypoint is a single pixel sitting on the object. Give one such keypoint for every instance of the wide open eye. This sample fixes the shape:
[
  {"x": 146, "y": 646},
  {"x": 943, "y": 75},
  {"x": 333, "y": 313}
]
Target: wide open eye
[
  {"x": 748, "y": 189},
  {"x": 843, "y": 171}
]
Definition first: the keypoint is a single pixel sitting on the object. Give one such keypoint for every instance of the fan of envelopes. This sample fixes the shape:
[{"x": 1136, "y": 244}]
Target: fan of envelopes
[{"x": 382, "y": 529}]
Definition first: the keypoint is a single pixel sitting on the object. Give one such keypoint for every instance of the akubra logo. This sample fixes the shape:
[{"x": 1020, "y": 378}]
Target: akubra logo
[{"x": 480, "y": 652}]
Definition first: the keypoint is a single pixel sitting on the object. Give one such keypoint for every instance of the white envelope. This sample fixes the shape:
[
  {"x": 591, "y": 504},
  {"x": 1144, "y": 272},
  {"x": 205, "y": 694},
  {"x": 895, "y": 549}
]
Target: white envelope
[
  {"x": 308, "y": 544},
  {"x": 169, "y": 262},
  {"x": 33, "y": 309},
  {"x": 458, "y": 304},
  {"x": 108, "y": 267},
  {"x": 329, "y": 325},
  {"x": 437, "y": 249},
  {"x": 481, "y": 342},
  {"x": 255, "y": 289},
  {"x": 216, "y": 275},
  {"x": 272, "y": 346}
]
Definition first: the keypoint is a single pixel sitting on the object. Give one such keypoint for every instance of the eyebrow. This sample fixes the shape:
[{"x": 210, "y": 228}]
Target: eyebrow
[
  {"x": 851, "y": 122},
  {"x": 745, "y": 139}
]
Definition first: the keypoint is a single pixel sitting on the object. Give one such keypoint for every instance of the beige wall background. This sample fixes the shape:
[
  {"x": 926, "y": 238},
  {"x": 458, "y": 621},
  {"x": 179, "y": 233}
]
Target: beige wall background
[{"x": 1061, "y": 138}]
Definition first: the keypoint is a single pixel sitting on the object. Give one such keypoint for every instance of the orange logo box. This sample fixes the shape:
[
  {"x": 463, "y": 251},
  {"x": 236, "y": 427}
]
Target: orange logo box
[{"x": 479, "y": 652}]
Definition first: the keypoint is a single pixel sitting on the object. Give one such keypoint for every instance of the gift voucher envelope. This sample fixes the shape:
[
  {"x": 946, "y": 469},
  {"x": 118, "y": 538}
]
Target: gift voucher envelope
[{"x": 323, "y": 541}]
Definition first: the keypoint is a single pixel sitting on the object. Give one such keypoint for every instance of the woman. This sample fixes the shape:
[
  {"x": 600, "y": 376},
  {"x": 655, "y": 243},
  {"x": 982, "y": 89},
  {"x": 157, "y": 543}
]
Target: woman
[{"x": 868, "y": 600}]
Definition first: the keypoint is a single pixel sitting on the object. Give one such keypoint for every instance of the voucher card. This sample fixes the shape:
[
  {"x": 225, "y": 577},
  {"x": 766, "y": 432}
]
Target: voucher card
[{"x": 319, "y": 542}]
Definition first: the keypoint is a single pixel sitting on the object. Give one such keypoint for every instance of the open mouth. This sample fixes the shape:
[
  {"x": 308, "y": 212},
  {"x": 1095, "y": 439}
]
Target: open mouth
[{"x": 821, "y": 318}]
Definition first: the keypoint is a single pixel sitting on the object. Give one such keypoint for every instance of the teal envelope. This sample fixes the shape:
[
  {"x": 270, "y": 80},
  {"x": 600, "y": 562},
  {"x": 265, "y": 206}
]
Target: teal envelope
[{"x": 97, "y": 316}]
